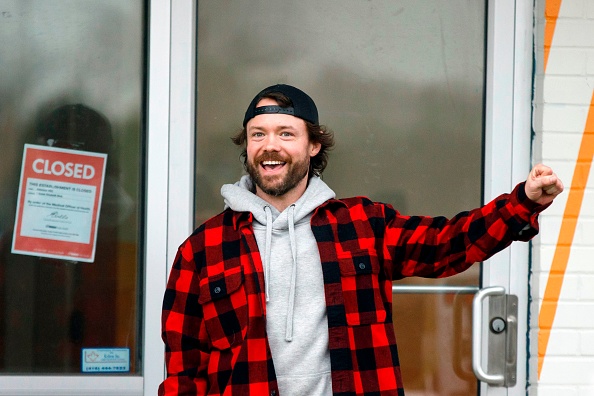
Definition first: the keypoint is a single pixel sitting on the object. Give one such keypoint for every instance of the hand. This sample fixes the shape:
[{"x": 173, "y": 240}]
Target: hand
[{"x": 542, "y": 185}]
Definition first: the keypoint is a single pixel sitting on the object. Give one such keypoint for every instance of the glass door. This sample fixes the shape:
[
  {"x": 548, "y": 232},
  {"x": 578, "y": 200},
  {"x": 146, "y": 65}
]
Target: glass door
[
  {"x": 414, "y": 92},
  {"x": 72, "y": 90},
  {"x": 87, "y": 80}
]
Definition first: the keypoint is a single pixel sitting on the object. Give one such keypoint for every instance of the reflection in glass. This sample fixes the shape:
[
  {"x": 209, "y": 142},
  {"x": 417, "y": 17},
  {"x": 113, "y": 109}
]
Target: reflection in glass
[{"x": 72, "y": 78}]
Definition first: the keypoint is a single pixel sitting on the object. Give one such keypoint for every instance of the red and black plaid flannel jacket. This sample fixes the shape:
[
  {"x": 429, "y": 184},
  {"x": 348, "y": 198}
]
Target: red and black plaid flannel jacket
[{"x": 214, "y": 310}]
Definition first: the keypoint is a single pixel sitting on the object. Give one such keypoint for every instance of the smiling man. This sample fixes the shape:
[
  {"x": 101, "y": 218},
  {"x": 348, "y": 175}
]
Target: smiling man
[
  {"x": 288, "y": 290},
  {"x": 279, "y": 150},
  {"x": 280, "y": 144}
]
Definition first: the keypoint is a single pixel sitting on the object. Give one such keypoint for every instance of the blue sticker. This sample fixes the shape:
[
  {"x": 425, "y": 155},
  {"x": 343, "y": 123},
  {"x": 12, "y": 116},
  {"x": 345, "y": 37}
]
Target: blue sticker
[{"x": 105, "y": 360}]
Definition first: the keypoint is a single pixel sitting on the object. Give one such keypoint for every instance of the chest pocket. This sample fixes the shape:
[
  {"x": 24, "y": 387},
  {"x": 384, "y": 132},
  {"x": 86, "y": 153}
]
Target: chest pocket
[
  {"x": 361, "y": 288},
  {"x": 224, "y": 307}
]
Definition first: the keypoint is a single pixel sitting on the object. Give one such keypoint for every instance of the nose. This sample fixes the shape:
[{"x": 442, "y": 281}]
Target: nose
[{"x": 271, "y": 143}]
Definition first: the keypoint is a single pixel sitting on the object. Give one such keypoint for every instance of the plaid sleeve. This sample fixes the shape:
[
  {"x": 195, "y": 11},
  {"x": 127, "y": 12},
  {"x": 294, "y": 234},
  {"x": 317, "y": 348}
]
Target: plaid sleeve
[
  {"x": 184, "y": 333},
  {"x": 436, "y": 247}
]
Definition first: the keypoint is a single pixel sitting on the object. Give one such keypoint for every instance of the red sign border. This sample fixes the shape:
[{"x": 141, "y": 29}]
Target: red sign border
[{"x": 53, "y": 248}]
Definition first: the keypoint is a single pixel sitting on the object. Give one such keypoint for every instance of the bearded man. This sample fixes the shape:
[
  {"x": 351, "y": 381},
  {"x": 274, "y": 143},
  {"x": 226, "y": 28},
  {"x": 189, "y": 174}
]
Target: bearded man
[{"x": 288, "y": 290}]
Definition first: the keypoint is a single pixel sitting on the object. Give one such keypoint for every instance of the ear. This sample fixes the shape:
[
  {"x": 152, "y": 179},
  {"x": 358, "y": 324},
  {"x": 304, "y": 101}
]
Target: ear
[{"x": 314, "y": 148}]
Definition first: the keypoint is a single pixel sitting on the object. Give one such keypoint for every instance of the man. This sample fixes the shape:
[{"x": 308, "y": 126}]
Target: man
[{"x": 288, "y": 291}]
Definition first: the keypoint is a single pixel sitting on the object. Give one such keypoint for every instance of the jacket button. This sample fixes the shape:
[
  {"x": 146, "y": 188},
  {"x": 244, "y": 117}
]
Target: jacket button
[
  {"x": 362, "y": 265},
  {"x": 217, "y": 290},
  {"x": 272, "y": 393}
]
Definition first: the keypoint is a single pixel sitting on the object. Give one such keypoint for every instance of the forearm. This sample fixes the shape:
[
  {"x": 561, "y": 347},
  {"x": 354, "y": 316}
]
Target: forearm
[{"x": 440, "y": 247}]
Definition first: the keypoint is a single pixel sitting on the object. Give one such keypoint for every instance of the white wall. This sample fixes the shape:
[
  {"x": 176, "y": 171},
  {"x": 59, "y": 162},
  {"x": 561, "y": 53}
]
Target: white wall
[{"x": 563, "y": 254}]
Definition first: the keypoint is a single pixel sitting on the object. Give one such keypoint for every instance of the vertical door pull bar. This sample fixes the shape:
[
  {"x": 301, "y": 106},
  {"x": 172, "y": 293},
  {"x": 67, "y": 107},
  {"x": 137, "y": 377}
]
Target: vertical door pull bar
[{"x": 477, "y": 323}]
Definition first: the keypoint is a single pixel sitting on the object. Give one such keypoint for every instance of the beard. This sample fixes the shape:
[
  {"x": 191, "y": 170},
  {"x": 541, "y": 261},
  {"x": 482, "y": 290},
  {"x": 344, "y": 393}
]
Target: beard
[{"x": 278, "y": 185}]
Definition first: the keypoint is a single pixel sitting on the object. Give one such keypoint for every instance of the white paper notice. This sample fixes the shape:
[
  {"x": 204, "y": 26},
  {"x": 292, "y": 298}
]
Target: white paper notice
[
  {"x": 57, "y": 210},
  {"x": 59, "y": 203}
]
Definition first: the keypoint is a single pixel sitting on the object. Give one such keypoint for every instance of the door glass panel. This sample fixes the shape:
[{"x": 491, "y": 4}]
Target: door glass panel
[
  {"x": 434, "y": 338},
  {"x": 72, "y": 77},
  {"x": 401, "y": 83}
]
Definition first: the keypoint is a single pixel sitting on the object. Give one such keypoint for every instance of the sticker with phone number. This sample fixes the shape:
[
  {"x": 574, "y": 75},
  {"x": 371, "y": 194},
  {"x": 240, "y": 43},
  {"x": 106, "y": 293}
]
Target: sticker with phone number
[{"x": 105, "y": 360}]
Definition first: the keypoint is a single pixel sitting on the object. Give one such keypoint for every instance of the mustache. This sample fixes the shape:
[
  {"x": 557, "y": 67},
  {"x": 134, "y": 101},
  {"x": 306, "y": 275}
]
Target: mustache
[{"x": 273, "y": 156}]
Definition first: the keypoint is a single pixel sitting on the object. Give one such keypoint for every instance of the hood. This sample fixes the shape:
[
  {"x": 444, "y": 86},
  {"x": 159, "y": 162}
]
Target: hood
[{"x": 241, "y": 197}]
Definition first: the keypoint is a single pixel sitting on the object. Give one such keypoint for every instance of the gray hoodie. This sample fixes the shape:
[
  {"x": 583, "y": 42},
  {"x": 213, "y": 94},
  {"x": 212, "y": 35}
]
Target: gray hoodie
[{"x": 296, "y": 321}]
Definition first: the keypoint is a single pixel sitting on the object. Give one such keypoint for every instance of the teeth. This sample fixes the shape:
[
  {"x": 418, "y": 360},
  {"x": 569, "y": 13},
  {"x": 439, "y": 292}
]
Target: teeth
[{"x": 272, "y": 162}]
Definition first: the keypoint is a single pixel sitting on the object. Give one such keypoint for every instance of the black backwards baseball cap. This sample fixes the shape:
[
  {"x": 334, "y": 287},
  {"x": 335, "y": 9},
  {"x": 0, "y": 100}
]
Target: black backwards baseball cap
[{"x": 303, "y": 106}]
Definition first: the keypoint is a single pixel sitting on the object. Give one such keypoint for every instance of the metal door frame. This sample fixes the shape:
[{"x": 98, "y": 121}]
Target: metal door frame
[
  {"x": 170, "y": 180},
  {"x": 508, "y": 131},
  {"x": 172, "y": 101}
]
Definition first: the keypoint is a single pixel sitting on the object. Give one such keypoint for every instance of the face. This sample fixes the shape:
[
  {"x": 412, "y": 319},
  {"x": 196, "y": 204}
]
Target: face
[{"x": 278, "y": 152}]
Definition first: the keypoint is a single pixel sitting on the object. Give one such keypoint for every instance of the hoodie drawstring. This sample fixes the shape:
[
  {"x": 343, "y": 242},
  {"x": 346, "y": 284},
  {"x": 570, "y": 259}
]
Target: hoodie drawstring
[
  {"x": 268, "y": 250},
  {"x": 290, "y": 308},
  {"x": 267, "y": 255}
]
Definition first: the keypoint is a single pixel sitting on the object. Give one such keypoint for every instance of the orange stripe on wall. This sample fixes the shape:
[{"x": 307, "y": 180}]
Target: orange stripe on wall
[
  {"x": 571, "y": 214},
  {"x": 551, "y": 13}
]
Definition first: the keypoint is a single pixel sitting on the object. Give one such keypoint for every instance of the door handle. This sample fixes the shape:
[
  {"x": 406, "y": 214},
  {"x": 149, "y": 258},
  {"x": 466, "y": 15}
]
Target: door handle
[
  {"x": 477, "y": 339},
  {"x": 502, "y": 336}
]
